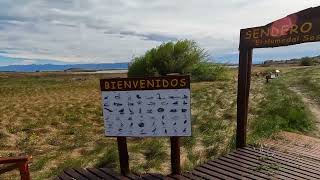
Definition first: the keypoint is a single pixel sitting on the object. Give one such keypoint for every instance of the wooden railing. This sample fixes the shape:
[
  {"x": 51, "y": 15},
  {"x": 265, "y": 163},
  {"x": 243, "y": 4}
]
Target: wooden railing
[{"x": 20, "y": 163}]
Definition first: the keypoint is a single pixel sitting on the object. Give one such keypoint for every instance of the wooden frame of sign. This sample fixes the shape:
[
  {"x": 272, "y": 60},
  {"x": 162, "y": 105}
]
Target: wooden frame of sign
[
  {"x": 300, "y": 27},
  {"x": 147, "y": 107}
]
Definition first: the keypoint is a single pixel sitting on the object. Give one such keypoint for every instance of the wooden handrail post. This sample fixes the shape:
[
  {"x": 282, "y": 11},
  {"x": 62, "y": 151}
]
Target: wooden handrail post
[{"x": 24, "y": 170}]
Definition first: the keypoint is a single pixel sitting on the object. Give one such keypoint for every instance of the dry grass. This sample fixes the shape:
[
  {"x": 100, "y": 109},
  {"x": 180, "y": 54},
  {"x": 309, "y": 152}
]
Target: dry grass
[{"x": 57, "y": 119}]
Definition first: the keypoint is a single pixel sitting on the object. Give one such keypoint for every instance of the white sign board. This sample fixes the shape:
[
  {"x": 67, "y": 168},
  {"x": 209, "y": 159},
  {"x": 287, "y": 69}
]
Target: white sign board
[{"x": 147, "y": 107}]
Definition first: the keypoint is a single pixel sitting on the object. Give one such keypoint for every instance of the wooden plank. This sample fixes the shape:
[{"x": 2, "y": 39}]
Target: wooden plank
[
  {"x": 13, "y": 159},
  {"x": 294, "y": 157},
  {"x": 288, "y": 166},
  {"x": 176, "y": 177},
  {"x": 100, "y": 173},
  {"x": 133, "y": 176},
  {"x": 75, "y": 174},
  {"x": 223, "y": 173},
  {"x": 109, "y": 172},
  {"x": 250, "y": 166},
  {"x": 147, "y": 177},
  {"x": 243, "y": 172},
  {"x": 190, "y": 176},
  {"x": 295, "y": 162},
  {"x": 86, "y": 173},
  {"x": 241, "y": 167},
  {"x": 159, "y": 176},
  {"x": 64, "y": 176},
  {"x": 261, "y": 164},
  {"x": 203, "y": 173},
  {"x": 287, "y": 171}
]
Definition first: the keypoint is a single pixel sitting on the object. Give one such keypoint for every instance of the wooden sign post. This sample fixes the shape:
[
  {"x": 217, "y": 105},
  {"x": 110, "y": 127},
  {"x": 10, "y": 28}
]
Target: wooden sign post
[
  {"x": 147, "y": 107},
  {"x": 300, "y": 27}
]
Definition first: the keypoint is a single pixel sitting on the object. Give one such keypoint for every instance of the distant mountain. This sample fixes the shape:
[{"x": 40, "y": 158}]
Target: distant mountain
[{"x": 52, "y": 67}]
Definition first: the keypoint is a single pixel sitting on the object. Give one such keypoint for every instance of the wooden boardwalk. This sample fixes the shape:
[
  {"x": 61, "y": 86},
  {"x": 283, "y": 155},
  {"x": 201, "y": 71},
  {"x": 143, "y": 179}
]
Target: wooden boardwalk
[{"x": 244, "y": 163}]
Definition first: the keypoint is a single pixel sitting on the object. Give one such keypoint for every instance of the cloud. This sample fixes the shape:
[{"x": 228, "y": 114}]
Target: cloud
[{"x": 116, "y": 30}]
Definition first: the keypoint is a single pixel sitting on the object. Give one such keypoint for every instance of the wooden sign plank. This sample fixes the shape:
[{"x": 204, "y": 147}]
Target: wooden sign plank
[{"x": 300, "y": 27}]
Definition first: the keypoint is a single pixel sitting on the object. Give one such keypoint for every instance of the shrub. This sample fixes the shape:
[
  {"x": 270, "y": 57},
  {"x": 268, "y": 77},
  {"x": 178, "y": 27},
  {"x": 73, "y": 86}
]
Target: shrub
[
  {"x": 206, "y": 71},
  {"x": 307, "y": 61},
  {"x": 168, "y": 58}
]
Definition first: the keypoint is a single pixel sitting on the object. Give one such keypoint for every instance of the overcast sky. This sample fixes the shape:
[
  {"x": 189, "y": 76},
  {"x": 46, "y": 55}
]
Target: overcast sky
[{"x": 96, "y": 31}]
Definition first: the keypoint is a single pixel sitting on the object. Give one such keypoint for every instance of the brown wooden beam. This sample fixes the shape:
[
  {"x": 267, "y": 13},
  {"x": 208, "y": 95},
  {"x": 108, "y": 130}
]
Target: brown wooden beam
[
  {"x": 244, "y": 78},
  {"x": 175, "y": 155},
  {"x": 123, "y": 155}
]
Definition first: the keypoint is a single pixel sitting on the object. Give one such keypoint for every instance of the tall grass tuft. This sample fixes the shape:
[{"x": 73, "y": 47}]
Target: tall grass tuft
[{"x": 281, "y": 110}]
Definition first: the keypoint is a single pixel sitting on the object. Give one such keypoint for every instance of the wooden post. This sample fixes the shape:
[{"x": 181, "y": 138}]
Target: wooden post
[
  {"x": 123, "y": 155},
  {"x": 244, "y": 78},
  {"x": 175, "y": 155},
  {"x": 24, "y": 170}
]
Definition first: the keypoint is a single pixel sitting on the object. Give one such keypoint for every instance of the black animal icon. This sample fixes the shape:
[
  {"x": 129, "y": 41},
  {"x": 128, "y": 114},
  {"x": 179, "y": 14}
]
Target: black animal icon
[
  {"x": 121, "y": 111},
  {"x": 159, "y": 96},
  {"x": 108, "y": 109},
  {"x": 185, "y": 102},
  {"x": 184, "y": 110},
  {"x": 185, "y": 97},
  {"x": 175, "y": 103},
  {"x": 154, "y": 130},
  {"x": 138, "y": 96},
  {"x": 184, "y": 130},
  {"x": 174, "y": 97},
  {"x": 141, "y": 124},
  {"x": 117, "y": 104},
  {"x": 151, "y": 103},
  {"x": 164, "y": 103},
  {"x": 106, "y": 97},
  {"x": 173, "y": 110},
  {"x": 131, "y": 112},
  {"x": 160, "y": 110}
]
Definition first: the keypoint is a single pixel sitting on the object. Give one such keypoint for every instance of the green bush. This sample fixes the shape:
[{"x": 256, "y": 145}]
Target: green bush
[
  {"x": 206, "y": 71},
  {"x": 307, "y": 61},
  {"x": 168, "y": 58}
]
